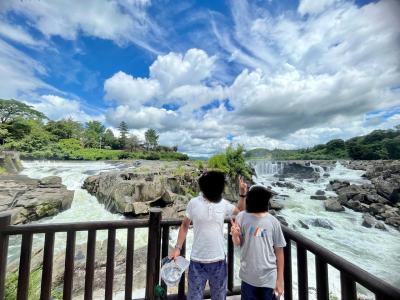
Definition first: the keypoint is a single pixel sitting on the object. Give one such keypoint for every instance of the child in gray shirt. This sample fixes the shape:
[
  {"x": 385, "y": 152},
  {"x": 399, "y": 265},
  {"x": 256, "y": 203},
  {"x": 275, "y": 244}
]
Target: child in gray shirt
[{"x": 261, "y": 241}]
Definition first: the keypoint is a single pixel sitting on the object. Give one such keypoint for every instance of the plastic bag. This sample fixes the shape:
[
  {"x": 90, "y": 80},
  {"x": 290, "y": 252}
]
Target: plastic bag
[{"x": 172, "y": 270}]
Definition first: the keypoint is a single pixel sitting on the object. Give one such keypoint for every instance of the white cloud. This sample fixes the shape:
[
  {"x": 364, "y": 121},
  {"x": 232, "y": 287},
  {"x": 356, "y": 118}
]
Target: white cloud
[
  {"x": 174, "y": 69},
  {"x": 314, "y": 7},
  {"x": 17, "y": 34},
  {"x": 56, "y": 108},
  {"x": 126, "y": 89},
  {"x": 20, "y": 73},
  {"x": 143, "y": 117},
  {"x": 123, "y": 22}
]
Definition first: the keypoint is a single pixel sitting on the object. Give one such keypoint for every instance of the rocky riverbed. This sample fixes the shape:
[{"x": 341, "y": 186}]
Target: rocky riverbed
[
  {"x": 133, "y": 191},
  {"x": 27, "y": 199}
]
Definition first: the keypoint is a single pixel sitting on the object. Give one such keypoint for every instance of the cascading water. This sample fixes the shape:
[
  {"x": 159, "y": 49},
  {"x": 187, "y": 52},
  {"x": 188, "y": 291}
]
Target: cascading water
[{"x": 373, "y": 250}]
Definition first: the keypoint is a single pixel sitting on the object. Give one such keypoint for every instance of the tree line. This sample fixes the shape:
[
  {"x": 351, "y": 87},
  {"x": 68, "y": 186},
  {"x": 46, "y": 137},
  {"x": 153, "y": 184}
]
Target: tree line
[
  {"x": 379, "y": 144},
  {"x": 29, "y": 131}
]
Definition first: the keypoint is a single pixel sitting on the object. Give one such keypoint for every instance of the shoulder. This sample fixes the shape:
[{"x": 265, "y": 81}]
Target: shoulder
[
  {"x": 240, "y": 216},
  {"x": 195, "y": 200},
  {"x": 274, "y": 221}
]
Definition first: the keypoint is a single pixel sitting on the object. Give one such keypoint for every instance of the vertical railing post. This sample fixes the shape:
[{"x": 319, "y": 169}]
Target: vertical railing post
[
  {"x": 165, "y": 249},
  {"x": 231, "y": 258},
  {"x": 153, "y": 253},
  {"x": 4, "y": 222},
  {"x": 302, "y": 272},
  {"x": 348, "y": 287},
  {"x": 321, "y": 273},
  {"x": 288, "y": 270},
  {"x": 181, "y": 286}
]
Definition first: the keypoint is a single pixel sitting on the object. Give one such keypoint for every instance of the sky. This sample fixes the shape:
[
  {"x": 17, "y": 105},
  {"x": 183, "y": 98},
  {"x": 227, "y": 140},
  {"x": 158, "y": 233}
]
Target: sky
[{"x": 206, "y": 74}]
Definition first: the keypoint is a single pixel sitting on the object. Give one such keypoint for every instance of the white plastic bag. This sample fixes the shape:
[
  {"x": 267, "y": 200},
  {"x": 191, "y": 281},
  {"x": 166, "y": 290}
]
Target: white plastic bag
[{"x": 172, "y": 270}]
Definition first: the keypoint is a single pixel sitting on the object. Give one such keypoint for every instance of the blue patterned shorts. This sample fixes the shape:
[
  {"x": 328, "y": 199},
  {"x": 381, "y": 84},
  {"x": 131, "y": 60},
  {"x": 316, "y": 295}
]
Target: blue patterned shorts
[{"x": 216, "y": 273}]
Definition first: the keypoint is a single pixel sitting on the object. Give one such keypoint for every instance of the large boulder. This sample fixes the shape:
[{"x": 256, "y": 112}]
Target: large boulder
[
  {"x": 160, "y": 184},
  {"x": 333, "y": 205},
  {"x": 28, "y": 199},
  {"x": 299, "y": 170},
  {"x": 368, "y": 221},
  {"x": 318, "y": 222}
]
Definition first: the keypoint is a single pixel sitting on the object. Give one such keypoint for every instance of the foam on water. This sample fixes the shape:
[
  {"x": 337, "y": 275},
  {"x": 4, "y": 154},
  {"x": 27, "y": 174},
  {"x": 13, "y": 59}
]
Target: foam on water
[
  {"x": 371, "y": 249},
  {"x": 84, "y": 207},
  {"x": 374, "y": 250}
]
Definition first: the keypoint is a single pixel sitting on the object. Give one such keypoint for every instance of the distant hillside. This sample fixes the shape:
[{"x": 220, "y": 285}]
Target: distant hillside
[{"x": 379, "y": 144}]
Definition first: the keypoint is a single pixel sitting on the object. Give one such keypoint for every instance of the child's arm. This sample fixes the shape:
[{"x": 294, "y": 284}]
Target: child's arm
[
  {"x": 235, "y": 232},
  {"x": 181, "y": 238},
  {"x": 242, "y": 196},
  {"x": 280, "y": 261}
]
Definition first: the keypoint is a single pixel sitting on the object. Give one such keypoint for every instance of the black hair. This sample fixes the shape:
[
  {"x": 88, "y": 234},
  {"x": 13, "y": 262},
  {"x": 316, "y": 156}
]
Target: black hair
[
  {"x": 212, "y": 185},
  {"x": 257, "y": 200}
]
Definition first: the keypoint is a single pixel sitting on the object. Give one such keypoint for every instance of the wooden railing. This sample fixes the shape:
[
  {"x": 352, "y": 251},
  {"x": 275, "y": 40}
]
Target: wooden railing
[{"x": 158, "y": 243}]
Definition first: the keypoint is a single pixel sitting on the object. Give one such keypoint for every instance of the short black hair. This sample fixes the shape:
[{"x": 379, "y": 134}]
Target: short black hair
[
  {"x": 257, "y": 200},
  {"x": 212, "y": 184}
]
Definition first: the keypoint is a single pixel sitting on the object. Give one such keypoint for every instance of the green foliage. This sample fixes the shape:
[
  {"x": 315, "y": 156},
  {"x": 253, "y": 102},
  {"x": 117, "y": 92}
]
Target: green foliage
[
  {"x": 232, "y": 162},
  {"x": 2, "y": 170},
  {"x": 379, "y": 144},
  {"x": 151, "y": 138},
  {"x": 34, "y": 286},
  {"x": 199, "y": 165},
  {"x": 123, "y": 131},
  {"x": 218, "y": 162},
  {"x": 11, "y": 110},
  {"x": 93, "y": 134},
  {"x": 236, "y": 162},
  {"x": 65, "y": 129}
]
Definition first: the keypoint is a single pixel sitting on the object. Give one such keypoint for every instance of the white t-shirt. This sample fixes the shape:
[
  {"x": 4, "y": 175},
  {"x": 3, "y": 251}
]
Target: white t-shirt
[{"x": 208, "y": 226}]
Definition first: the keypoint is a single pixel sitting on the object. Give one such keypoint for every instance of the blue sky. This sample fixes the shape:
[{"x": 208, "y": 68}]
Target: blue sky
[{"x": 204, "y": 74}]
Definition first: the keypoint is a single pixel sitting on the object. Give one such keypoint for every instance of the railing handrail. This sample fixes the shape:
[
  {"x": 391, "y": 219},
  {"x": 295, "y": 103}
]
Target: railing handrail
[
  {"x": 368, "y": 280},
  {"x": 76, "y": 226}
]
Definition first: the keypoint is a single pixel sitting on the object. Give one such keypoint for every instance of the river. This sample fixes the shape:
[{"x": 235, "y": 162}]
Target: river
[{"x": 374, "y": 250}]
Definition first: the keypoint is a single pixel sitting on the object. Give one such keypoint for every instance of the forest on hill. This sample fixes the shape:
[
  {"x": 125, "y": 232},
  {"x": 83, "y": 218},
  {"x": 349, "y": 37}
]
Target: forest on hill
[
  {"x": 24, "y": 129},
  {"x": 379, "y": 144}
]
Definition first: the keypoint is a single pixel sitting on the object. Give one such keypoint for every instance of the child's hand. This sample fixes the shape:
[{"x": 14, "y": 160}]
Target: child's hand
[
  {"x": 242, "y": 186},
  {"x": 278, "y": 288},
  {"x": 235, "y": 229},
  {"x": 175, "y": 253}
]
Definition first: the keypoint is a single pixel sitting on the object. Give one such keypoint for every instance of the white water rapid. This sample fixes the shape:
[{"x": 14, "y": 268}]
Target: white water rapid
[{"x": 374, "y": 250}]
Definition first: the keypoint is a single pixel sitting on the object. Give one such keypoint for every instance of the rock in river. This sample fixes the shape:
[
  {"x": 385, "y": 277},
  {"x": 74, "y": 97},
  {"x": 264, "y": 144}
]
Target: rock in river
[
  {"x": 27, "y": 199},
  {"x": 333, "y": 204}
]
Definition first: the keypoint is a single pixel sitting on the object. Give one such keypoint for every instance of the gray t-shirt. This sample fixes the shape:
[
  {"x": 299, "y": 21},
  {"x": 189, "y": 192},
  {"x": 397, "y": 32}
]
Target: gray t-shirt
[{"x": 259, "y": 236}]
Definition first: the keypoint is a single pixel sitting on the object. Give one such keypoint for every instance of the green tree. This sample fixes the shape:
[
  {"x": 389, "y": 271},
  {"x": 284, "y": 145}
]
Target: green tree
[
  {"x": 11, "y": 110},
  {"x": 109, "y": 140},
  {"x": 123, "y": 134},
  {"x": 65, "y": 129},
  {"x": 151, "y": 138},
  {"x": 3, "y": 134},
  {"x": 393, "y": 147},
  {"x": 132, "y": 143},
  {"x": 93, "y": 135},
  {"x": 232, "y": 162}
]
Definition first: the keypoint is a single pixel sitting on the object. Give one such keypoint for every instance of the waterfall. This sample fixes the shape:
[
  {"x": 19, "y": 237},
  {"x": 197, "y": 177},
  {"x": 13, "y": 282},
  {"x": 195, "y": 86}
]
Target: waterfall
[
  {"x": 349, "y": 239},
  {"x": 267, "y": 167}
]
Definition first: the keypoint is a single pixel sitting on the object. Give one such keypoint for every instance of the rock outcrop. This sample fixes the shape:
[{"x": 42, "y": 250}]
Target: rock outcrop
[
  {"x": 10, "y": 162},
  {"x": 380, "y": 198},
  {"x": 166, "y": 185},
  {"x": 27, "y": 199}
]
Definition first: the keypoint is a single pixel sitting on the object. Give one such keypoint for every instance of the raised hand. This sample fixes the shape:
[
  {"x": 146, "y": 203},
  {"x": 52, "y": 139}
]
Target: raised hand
[
  {"x": 242, "y": 186},
  {"x": 235, "y": 232}
]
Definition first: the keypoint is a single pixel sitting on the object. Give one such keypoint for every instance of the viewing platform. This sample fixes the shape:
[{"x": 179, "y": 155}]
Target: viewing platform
[{"x": 158, "y": 247}]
